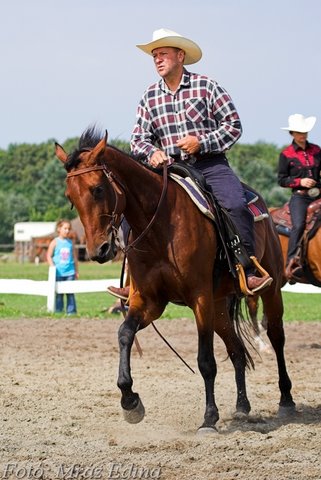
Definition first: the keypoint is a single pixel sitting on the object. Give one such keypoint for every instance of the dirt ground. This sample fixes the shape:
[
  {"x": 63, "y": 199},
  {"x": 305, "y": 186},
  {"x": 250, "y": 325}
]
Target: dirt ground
[{"x": 61, "y": 417}]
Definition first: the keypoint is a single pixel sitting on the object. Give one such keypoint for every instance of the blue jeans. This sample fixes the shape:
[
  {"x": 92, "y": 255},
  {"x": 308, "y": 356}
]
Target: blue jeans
[
  {"x": 229, "y": 192},
  {"x": 298, "y": 210},
  {"x": 71, "y": 301}
]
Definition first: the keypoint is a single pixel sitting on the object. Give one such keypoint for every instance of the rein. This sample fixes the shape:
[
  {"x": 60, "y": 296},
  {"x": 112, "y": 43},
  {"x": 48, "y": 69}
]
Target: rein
[{"x": 160, "y": 202}]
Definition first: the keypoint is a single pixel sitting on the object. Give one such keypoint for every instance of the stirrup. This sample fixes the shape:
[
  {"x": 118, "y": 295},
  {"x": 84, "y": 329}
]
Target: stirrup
[
  {"x": 242, "y": 277},
  {"x": 242, "y": 280}
]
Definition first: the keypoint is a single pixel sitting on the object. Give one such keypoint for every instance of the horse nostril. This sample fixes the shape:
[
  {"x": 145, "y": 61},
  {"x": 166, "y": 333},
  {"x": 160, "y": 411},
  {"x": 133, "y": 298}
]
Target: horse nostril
[{"x": 103, "y": 249}]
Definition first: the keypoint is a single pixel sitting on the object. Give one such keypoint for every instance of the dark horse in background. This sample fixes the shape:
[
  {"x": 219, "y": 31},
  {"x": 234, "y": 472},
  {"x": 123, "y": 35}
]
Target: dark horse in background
[{"x": 174, "y": 261}]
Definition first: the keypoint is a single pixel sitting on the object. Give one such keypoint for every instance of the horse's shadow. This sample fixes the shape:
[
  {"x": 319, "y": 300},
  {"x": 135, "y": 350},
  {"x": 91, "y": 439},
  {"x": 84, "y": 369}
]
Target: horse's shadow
[{"x": 304, "y": 415}]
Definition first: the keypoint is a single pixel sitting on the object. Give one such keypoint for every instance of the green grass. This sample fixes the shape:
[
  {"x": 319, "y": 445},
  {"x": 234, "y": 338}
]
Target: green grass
[
  {"x": 303, "y": 307},
  {"x": 89, "y": 305}
]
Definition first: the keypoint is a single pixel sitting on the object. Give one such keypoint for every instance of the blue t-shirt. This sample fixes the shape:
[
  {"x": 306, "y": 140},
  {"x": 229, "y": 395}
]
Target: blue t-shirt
[{"x": 63, "y": 257}]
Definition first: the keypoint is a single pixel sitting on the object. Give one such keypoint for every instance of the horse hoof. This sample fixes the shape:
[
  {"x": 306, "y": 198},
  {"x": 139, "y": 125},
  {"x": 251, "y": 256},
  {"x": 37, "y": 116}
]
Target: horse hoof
[
  {"x": 202, "y": 431},
  {"x": 240, "y": 415},
  {"x": 135, "y": 415},
  {"x": 285, "y": 412}
]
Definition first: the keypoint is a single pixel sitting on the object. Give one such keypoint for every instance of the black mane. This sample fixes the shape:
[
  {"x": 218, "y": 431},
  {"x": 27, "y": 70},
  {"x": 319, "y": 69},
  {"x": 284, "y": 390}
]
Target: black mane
[
  {"x": 90, "y": 137},
  {"x": 88, "y": 140}
]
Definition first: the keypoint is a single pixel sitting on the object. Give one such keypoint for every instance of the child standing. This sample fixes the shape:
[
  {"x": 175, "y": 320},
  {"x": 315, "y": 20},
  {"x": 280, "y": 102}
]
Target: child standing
[{"x": 61, "y": 254}]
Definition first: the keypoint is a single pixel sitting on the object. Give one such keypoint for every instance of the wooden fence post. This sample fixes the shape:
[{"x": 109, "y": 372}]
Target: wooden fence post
[{"x": 51, "y": 297}]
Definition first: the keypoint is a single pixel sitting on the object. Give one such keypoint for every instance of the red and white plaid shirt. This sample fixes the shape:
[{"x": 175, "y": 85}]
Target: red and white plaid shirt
[{"x": 200, "y": 107}]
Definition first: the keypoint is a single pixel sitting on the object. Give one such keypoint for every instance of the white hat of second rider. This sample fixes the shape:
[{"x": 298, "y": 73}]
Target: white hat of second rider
[
  {"x": 168, "y": 38},
  {"x": 299, "y": 123}
]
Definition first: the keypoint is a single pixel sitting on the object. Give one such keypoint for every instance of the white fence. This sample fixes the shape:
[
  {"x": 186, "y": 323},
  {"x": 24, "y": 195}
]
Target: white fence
[{"x": 50, "y": 287}]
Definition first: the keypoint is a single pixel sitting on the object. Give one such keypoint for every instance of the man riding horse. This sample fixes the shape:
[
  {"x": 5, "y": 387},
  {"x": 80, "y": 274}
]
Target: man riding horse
[{"x": 190, "y": 118}]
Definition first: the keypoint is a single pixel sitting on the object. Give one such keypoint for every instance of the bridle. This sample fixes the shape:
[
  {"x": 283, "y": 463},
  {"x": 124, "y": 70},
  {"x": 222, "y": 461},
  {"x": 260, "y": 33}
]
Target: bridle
[
  {"x": 119, "y": 191},
  {"x": 120, "y": 197}
]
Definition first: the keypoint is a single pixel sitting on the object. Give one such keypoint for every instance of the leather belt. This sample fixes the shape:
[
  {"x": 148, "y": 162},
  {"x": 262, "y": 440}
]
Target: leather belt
[
  {"x": 198, "y": 157},
  {"x": 311, "y": 192}
]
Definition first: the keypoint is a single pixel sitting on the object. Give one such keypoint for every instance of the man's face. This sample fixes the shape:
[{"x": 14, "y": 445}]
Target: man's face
[{"x": 167, "y": 60}]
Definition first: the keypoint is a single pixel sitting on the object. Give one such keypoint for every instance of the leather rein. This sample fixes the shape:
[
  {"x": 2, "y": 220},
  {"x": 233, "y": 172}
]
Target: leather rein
[{"x": 120, "y": 197}]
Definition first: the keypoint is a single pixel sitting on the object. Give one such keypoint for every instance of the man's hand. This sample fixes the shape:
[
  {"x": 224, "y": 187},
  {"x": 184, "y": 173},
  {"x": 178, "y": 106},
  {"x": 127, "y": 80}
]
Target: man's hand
[
  {"x": 307, "y": 182},
  {"x": 158, "y": 158},
  {"x": 189, "y": 144}
]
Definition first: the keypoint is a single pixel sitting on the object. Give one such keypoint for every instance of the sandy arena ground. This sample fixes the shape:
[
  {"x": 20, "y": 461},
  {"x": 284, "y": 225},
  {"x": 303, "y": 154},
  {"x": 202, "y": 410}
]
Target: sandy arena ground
[{"x": 61, "y": 417}]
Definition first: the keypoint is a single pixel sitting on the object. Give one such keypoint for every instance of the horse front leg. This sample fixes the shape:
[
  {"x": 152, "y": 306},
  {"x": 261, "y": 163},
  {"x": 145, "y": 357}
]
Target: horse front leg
[
  {"x": 131, "y": 403},
  {"x": 225, "y": 328},
  {"x": 208, "y": 369}
]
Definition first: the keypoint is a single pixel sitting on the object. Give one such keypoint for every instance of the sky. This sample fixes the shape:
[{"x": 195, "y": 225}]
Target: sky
[{"x": 67, "y": 64}]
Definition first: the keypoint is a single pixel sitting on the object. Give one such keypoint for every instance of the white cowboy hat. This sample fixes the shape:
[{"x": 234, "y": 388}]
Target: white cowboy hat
[
  {"x": 298, "y": 123},
  {"x": 168, "y": 38}
]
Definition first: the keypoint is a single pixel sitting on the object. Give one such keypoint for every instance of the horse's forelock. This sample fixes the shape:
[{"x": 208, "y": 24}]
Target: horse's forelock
[
  {"x": 73, "y": 160},
  {"x": 88, "y": 140},
  {"x": 90, "y": 137}
]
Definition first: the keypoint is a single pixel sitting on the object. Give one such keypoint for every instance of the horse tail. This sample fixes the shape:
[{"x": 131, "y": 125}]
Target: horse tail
[{"x": 242, "y": 327}]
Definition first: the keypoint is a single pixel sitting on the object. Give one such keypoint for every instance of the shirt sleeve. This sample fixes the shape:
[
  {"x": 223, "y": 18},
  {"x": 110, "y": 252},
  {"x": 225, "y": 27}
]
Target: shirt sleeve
[
  {"x": 142, "y": 141},
  {"x": 284, "y": 179},
  {"x": 229, "y": 128}
]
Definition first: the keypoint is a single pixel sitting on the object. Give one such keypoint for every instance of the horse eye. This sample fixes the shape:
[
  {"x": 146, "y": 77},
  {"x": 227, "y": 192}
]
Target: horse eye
[{"x": 98, "y": 192}]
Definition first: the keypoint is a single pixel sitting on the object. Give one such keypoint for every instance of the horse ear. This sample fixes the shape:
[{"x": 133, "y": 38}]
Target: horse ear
[
  {"x": 100, "y": 147},
  {"x": 60, "y": 153}
]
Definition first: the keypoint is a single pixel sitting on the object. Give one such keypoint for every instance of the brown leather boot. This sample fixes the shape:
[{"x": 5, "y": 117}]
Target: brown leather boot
[
  {"x": 255, "y": 284},
  {"x": 122, "y": 293}
]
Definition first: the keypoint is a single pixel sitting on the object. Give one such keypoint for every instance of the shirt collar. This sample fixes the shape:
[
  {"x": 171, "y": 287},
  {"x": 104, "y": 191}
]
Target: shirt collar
[
  {"x": 185, "y": 82},
  {"x": 297, "y": 147}
]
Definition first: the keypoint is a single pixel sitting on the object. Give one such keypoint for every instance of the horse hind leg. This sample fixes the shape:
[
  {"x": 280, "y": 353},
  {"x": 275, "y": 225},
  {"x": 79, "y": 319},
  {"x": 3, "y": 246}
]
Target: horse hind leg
[
  {"x": 133, "y": 408},
  {"x": 273, "y": 308},
  {"x": 252, "y": 304},
  {"x": 236, "y": 350}
]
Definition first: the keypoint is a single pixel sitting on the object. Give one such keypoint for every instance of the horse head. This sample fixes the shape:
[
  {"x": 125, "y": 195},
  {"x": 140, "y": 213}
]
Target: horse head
[{"x": 92, "y": 189}]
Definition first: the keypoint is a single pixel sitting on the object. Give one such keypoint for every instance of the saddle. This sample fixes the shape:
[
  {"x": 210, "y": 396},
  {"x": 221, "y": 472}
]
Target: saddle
[
  {"x": 282, "y": 219},
  {"x": 194, "y": 183}
]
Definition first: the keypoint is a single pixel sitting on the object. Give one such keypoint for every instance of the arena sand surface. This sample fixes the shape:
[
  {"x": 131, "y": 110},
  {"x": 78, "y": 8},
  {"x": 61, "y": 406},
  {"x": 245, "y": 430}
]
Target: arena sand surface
[{"x": 61, "y": 418}]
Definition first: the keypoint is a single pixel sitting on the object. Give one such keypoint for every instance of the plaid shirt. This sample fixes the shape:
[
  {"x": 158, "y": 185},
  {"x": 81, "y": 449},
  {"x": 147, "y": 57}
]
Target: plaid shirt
[{"x": 200, "y": 107}]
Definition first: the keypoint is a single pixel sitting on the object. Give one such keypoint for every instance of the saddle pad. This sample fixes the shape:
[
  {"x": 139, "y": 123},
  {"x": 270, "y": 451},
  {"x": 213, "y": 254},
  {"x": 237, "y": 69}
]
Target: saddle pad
[
  {"x": 202, "y": 203},
  {"x": 195, "y": 193}
]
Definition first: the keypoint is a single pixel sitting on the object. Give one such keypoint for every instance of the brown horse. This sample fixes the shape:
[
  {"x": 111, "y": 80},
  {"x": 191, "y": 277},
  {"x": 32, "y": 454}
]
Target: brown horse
[
  {"x": 173, "y": 261},
  {"x": 311, "y": 241},
  {"x": 311, "y": 259}
]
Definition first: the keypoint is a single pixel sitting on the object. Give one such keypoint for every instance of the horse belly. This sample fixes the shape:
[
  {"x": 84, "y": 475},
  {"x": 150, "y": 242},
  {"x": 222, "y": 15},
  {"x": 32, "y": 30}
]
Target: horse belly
[{"x": 314, "y": 255}]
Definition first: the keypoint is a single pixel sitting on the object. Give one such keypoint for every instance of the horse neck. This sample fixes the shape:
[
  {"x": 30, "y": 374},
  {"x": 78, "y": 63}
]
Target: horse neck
[{"x": 142, "y": 186}]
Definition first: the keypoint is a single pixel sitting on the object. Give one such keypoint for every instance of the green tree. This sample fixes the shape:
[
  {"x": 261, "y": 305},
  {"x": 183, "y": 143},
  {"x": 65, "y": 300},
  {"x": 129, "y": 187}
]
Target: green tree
[
  {"x": 48, "y": 201},
  {"x": 256, "y": 165},
  {"x": 14, "y": 208}
]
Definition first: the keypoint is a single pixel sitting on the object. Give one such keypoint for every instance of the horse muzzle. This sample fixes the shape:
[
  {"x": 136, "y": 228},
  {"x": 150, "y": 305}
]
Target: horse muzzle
[{"x": 105, "y": 252}]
